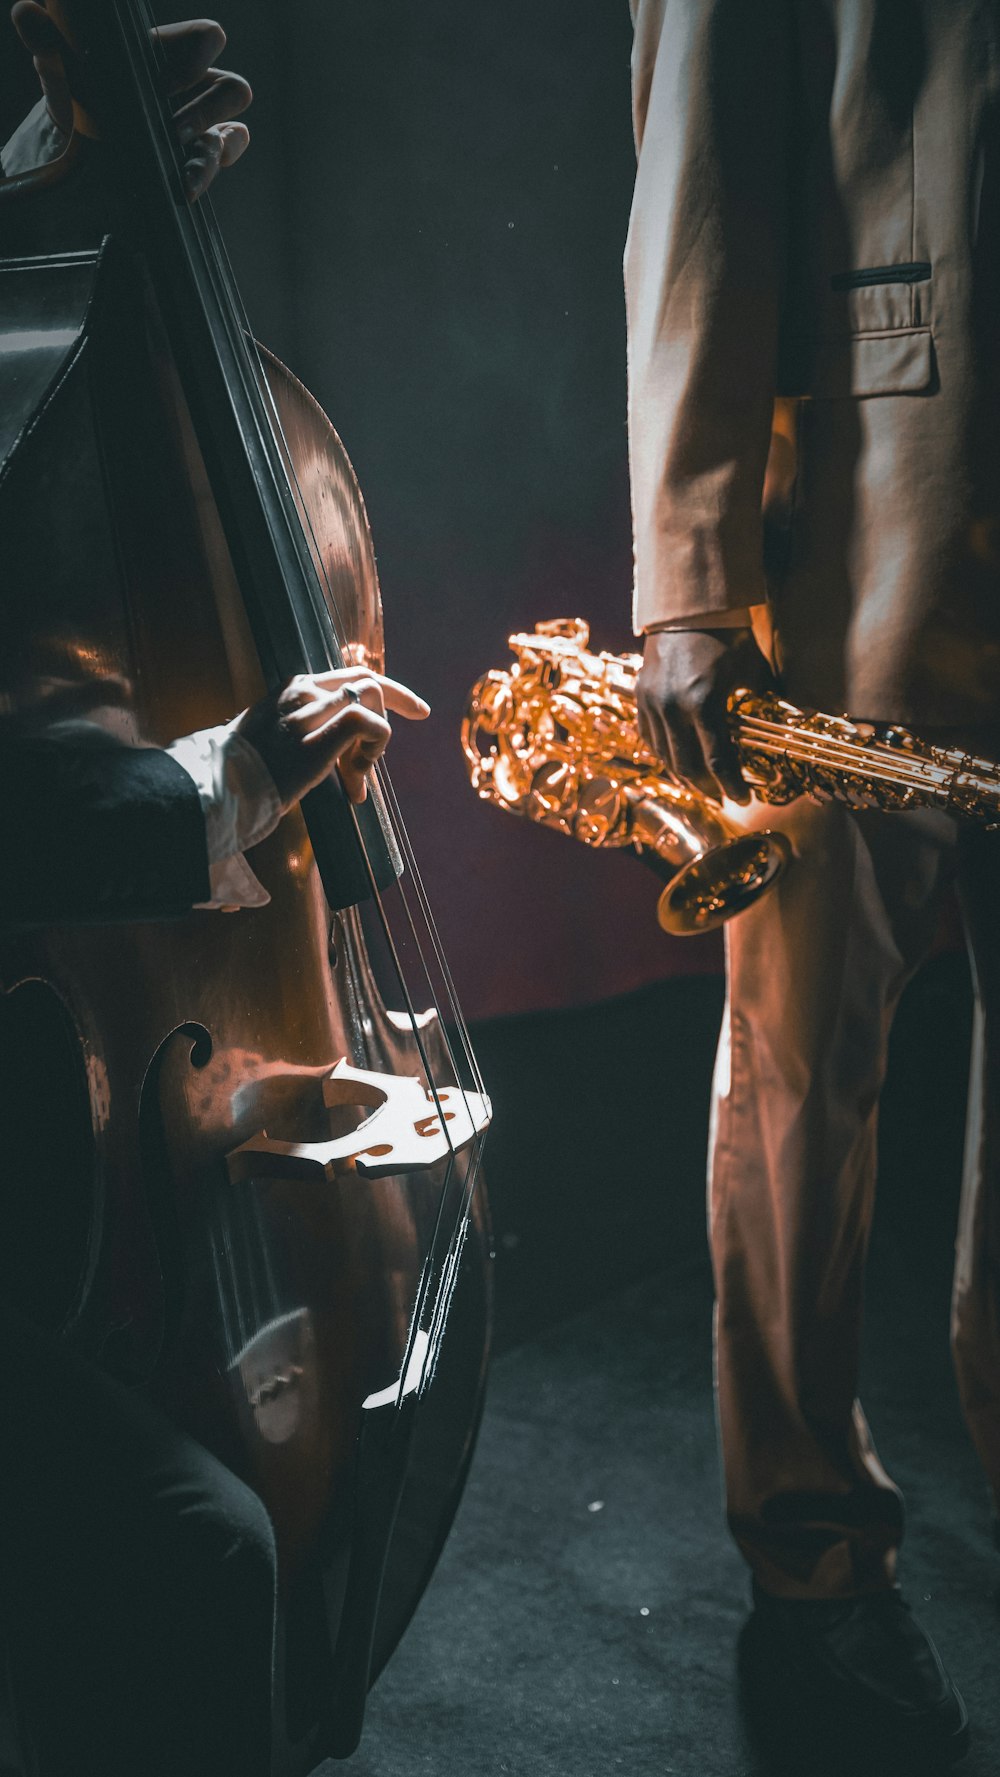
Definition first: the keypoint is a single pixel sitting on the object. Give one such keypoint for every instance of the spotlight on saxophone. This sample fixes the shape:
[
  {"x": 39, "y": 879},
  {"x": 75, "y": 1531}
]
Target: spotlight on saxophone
[{"x": 556, "y": 738}]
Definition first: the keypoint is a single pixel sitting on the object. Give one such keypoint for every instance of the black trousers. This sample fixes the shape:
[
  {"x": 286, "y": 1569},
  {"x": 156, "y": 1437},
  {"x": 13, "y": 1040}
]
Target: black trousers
[{"x": 138, "y": 1580}]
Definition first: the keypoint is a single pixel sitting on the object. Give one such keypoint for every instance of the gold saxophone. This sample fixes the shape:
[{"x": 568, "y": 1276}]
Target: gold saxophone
[{"x": 556, "y": 738}]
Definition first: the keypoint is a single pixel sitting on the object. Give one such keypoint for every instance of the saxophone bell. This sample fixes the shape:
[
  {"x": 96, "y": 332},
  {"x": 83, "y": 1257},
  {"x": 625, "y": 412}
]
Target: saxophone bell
[{"x": 714, "y": 870}]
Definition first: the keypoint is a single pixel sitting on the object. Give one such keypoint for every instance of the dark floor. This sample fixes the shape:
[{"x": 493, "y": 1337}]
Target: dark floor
[{"x": 585, "y": 1615}]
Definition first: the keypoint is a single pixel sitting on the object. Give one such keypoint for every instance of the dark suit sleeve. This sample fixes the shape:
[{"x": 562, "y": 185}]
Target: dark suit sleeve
[
  {"x": 35, "y": 141},
  {"x": 96, "y": 831}
]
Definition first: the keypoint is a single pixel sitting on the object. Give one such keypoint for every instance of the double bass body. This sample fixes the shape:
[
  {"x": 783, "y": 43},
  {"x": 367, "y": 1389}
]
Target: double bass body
[{"x": 273, "y": 1316}]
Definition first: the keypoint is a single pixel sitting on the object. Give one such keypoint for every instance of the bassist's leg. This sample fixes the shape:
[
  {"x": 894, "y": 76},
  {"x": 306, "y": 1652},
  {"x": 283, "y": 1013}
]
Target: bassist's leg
[{"x": 138, "y": 1579}]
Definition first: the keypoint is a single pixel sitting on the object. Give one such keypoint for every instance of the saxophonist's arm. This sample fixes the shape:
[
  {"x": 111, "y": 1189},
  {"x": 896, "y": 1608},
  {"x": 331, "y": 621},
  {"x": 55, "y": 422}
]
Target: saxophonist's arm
[{"x": 704, "y": 274}]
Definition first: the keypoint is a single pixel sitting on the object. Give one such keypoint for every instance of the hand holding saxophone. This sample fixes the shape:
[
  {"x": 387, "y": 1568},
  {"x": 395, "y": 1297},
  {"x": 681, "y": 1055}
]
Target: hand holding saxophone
[
  {"x": 557, "y": 739},
  {"x": 683, "y": 690}
]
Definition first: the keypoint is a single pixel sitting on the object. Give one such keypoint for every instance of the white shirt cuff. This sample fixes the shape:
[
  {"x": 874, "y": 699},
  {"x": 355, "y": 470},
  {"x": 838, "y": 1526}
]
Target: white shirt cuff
[
  {"x": 737, "y": 619},
  {"x": 240, "y": 805}
]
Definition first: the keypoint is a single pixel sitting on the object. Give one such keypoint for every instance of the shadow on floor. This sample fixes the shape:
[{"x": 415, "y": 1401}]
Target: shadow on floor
[{"x": 586, "y": 1616}]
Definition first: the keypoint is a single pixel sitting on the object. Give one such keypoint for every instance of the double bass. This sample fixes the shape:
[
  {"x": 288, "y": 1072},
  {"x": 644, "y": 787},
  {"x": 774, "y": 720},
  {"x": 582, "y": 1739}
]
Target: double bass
[{"x": 254, "y": 1141}]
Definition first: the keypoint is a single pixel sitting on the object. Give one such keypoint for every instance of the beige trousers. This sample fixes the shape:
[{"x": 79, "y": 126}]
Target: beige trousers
[{"x": 815, "y": 973}]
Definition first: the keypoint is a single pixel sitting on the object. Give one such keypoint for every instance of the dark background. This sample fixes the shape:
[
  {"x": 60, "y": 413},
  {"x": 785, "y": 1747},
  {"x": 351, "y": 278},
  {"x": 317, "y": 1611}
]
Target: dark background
[
  {"x": 431, "y": 229},
  {"x": 428, "y": 228}
]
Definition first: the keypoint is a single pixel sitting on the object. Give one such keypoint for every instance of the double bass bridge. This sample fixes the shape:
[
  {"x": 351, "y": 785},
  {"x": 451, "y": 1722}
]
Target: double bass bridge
[{"x": 408, "y": 1129}]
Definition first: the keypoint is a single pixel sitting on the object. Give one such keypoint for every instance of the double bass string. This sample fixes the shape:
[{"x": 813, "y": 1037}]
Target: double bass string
[
  {"x": 219, "y": 266},
  {"x": 446, "y": 1267},
  {"x": 449, "y": 1270},
  {"x": 231, "y": 313},
  {"x": 215, "y": 243},
  {"x": 431, "y": 924},
  {"x": 449, "y": 1265},
  {"x": 435, "y": 1267},
  {"x": 230, "y": 308}
]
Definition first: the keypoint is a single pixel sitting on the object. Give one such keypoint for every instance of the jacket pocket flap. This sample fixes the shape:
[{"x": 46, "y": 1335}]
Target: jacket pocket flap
[{"x": 899, "y": 361}]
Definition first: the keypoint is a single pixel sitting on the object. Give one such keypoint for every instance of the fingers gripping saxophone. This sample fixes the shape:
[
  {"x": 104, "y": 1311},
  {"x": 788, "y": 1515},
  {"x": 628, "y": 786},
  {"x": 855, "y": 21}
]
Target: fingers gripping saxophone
[{"x": 556, "y": 739}]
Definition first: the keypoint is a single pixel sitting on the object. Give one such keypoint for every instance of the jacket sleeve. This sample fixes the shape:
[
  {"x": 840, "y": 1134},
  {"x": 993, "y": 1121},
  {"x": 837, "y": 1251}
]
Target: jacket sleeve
[
  {"x": 96, "y": 831},
  {"x": 35, "y": 141},
  {"x": 704, "y": 274}
]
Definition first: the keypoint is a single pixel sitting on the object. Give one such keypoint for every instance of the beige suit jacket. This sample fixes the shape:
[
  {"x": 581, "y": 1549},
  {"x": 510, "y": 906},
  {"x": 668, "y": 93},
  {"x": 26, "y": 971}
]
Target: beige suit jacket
[{"x": 816, "y": 215}]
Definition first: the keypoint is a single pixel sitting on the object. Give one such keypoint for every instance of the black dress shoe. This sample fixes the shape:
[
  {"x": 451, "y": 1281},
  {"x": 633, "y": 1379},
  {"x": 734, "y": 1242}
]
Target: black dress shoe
[{"x": 860, "y": 1669}]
